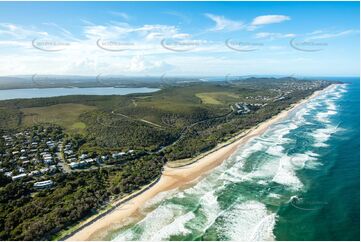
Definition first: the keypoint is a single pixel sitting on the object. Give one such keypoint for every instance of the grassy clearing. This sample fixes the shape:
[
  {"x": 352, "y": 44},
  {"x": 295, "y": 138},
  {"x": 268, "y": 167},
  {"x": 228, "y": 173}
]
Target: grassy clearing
[
  {"x": 65, "y": 115},
  {"x": 79, "y": 126},
  {"x": 217, "y": 98}
]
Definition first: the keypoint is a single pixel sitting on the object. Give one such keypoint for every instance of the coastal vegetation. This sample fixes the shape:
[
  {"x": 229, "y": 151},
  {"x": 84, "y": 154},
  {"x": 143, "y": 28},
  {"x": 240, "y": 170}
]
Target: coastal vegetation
[
  {"x": 29, "y": 214},
  {"x": 128, "y": 139}
]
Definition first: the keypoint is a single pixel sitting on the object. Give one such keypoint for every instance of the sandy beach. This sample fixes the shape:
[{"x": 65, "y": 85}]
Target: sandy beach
[{"x": 178, "y": 177}]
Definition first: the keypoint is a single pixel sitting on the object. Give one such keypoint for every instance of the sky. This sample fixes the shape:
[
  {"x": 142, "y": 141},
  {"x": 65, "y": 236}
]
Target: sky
[{"x": 180, "y": 38}]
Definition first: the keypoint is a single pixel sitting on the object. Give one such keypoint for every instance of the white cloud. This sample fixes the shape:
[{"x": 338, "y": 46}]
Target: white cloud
[
  {"x": 268, "y": 35},
  {"x": 62, "y": 31},
  {"x": 179, "y": 15},
  {"x": 123, "y": 15},
  {"x": 138, "y": 64},
  {"x": 18, "y": 32},
  {"x": 181, "y": 36},
  {"x": 324, "y": 35},
  {"x": 224, "y": 24},
  {"x": 121, "y": 31},
  {"x": 106, "y": 32},
  {"x": 157, "y": 31},
  {"x": 269, "y": 19},
  {"x": 15, "y": 43}
]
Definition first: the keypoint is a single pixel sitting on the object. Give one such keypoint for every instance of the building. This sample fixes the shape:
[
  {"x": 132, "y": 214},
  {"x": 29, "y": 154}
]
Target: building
[
  {"x": 83, "y": 156},
  {"x": 43, "y": 184},
  {"x": 68, "y": 152},
  {"x": 9, "y": 173},
  {"x": 23, "y": 158},
  {"x": 117, "y": 155},
  {"x": 44, "y": 170},
  {"x": 35, "y": 173},
  {"x": 89, "y": 160},
  {"x": 75, "y": 165},
  {"x": 72, "y": 160},
  {"x": 242, "y": 108},
  {"x": 18, "y": 177},
  {"x": 21, "y": 170}
]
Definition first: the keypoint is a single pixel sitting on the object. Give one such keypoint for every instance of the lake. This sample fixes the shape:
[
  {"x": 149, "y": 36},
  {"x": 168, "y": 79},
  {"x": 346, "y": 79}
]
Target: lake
[{"x": 55, "y": 92}]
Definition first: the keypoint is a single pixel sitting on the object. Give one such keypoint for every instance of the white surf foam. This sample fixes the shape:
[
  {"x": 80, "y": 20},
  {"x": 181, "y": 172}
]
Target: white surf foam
[
  {"x": 324, "y": 117},
  {"x": 286, "y": 175},
  {"x": 177, "y": 227},
  {"x": 154, "y": 221},
  {"x": 321, "y": 136},
  {"x": 273, "y": 195},
  {"x": 249, "y": 221},
  {"x": 276, "y": 150}
]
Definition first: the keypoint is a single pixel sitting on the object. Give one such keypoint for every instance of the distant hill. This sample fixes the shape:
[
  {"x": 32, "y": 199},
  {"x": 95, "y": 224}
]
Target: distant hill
[{"x": 52, "y": 81}]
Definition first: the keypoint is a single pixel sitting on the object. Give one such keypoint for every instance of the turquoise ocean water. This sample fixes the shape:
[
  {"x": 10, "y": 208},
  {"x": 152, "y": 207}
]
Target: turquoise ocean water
[{"x": 297, "y": 181}]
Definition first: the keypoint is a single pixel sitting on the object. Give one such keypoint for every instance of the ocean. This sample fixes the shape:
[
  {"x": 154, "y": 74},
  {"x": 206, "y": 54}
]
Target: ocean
[{"x": 300, "y": 180}]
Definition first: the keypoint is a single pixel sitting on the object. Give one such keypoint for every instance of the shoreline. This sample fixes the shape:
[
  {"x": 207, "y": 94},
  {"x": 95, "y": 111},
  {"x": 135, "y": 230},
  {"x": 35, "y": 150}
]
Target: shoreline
[{"x": 175, "y": 177}]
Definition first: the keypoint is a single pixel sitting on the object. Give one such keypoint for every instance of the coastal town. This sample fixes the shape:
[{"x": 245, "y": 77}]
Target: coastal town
[{"x": 36, "y": 154}]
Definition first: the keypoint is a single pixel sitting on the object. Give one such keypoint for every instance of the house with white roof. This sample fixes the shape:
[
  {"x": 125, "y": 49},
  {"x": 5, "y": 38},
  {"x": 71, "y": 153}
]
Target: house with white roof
[{"x": 43, "y": 184}]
